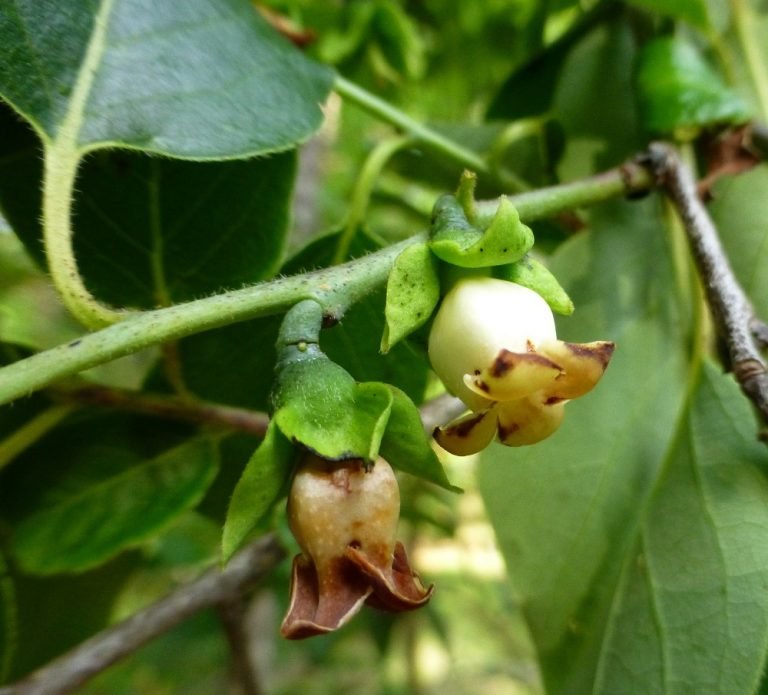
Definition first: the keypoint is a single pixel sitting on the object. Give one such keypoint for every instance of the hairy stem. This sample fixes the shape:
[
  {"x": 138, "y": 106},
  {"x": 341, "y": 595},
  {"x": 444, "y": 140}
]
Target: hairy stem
[{"x": 335, "y": 289}]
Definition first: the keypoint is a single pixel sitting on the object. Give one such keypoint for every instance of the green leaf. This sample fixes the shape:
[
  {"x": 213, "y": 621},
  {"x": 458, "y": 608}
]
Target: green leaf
[
  {"x": 534, "y": 275},
  {"x": 320, "y": 406},
  {"x": 739, "y": 209},
  {"x": 679, "y": 92},
  {"x": 96, "y": 522},
  {"x": 405, "y": 445},
  {"x": 212, "y": 77},
  {"x": 157, "y": 231},
  {"x": 455, "y": 240},
  {"x": 413, "y": 291},
  {"x": 566, "y": 510},
  {"x": 263, "y": 482},
  {"x": 694, "y": 579},
  {"x": 56, "y": 613}
]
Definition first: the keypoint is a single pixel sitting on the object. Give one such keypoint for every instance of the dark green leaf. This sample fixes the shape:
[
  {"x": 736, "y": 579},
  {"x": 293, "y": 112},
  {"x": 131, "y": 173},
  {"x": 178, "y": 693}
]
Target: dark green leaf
[
  {"x": 263, "y": 482},
  {"x": 678, "y": 91},
  {"x": 233, "y": 365},
  {"x": 740, "y": 210},
  {"x": 156, "y": 231},
  {"x": 58, "y": 612},
  {"x": 96, "y": 522},
  {"x": 413, "y": 291},
  {"x": 405, "y": 445},
  {"x": 566, "y": 510},
  {"x": 197, "y": 79}
]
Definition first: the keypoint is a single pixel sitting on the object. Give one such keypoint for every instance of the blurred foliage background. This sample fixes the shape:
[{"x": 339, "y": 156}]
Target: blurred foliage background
[{"x": 548, "y": 91}]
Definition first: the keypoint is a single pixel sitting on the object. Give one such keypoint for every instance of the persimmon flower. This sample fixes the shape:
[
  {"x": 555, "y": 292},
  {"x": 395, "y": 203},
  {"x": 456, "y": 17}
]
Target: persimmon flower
[
  {"x": 344, "y": 518},
  {"x": 493, "y": 344}
]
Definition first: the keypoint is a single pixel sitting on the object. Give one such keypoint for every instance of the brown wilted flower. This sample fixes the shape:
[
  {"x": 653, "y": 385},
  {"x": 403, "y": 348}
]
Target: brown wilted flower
[{"x": 344, "y": 517}]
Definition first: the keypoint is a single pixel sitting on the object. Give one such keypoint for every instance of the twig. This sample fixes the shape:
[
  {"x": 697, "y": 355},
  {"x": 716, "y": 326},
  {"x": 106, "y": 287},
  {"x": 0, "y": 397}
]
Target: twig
[
  {"x": 215, "y": 587},
  {"x": 170, "y": 407},
  {"x": 243, "y": 669},
  {"x": 732, "y": 311}
]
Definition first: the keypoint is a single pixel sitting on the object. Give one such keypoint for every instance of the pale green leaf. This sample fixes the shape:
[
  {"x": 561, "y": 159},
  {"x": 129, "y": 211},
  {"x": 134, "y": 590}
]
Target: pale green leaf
[{"x": 413, "y": 291}]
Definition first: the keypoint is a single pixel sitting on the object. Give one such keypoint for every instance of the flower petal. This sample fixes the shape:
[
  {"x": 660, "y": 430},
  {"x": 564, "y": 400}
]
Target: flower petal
[
  {"x": 395, "y": 590},
  {"x": 528, "y": 420},
  {"x": 468, "y": 434},
  {"x": 514, "y": 375},
  {"x": 583, "y": 364},
  {"x": 318, "y": 606}
]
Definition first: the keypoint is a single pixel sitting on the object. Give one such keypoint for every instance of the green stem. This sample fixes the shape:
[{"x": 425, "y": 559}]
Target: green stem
[
  {"x": 335, "y": 289},
  {"x": 394, "y": 116},
  {"x": 361, "y": 195},
  {"x": 744, "y": 22},
  {"x": 628, "y": 179},
  {"x": 384, "y": 111},
  {"x": 31, "y": 431}
]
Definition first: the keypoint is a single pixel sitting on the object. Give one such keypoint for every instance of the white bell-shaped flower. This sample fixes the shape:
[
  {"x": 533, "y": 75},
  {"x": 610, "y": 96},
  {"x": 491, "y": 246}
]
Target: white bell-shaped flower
[{"x": 493, "y": 344}]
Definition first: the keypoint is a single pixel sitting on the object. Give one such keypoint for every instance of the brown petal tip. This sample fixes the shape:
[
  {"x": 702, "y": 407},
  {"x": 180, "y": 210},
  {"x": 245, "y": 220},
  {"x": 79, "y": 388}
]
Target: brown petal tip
[
  {"x": 397, "y": 589},
  {"x": 319, "y": 607}
]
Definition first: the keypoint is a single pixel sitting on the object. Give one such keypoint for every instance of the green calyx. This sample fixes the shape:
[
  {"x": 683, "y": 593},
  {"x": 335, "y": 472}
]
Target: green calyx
[
  {"x": 456, "y": 240},
  {"x": 534, "y": 275}
]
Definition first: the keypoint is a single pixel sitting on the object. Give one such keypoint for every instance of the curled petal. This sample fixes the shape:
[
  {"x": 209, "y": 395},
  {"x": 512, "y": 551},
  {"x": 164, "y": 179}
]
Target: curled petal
[
  {"x": 322, "y": 604},
  {"x": 528, "y": 420},
  {"x": 583, "y": 364},
  {"x": 514, "y": 375},
  {"x": 395, "y": 589},
  {"x": 468, "y": 434}
]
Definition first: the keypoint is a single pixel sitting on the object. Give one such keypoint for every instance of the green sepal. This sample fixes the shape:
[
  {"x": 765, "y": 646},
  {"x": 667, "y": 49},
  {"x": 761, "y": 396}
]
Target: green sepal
[
  {"x": 406, "y": 446},
  {"x": 534, "y": 275},
  {"x": 455, "y": 240},
  {"x": 321, "y": 407},
  {"x": 679, "y": 93},
  {"x": 263, "y": 482},
  {"x": 413, "y": 291}
]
